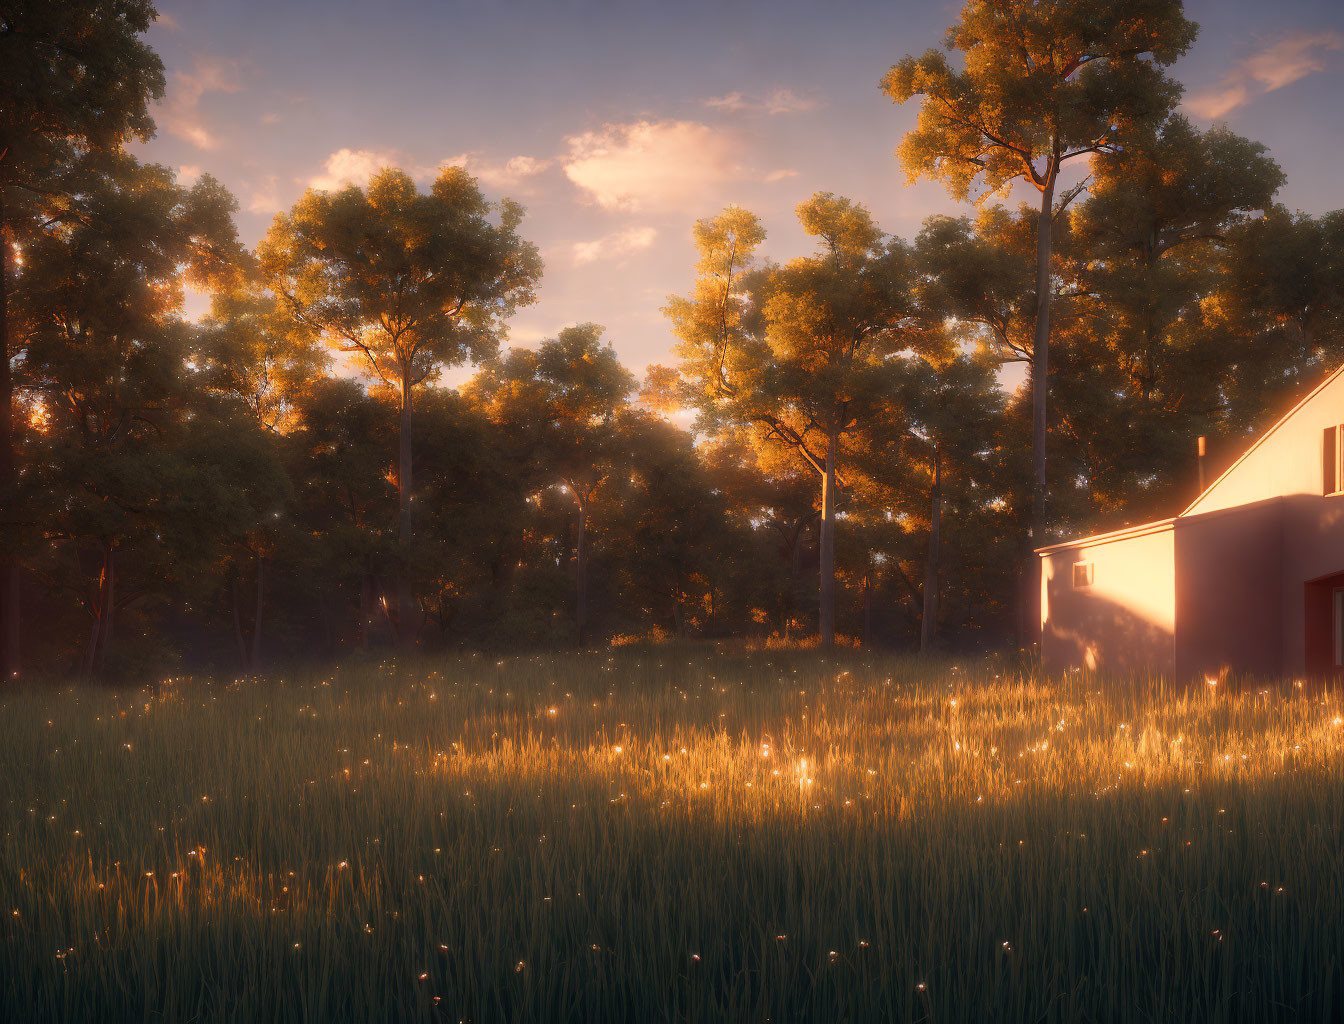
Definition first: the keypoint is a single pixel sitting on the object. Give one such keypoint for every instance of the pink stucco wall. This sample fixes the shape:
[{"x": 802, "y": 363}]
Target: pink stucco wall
[
  {"x": 1238, "y": 581},
  {"x": 1125, "y": 620},
  {"x": 1229, "y": 591}
]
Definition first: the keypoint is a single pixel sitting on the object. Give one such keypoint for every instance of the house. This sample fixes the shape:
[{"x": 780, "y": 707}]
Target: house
[{"x": 1249, "y": 578}]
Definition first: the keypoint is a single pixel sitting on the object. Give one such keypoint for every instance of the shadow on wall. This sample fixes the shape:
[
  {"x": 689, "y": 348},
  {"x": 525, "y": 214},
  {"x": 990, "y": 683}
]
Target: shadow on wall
[{"x": 1087, "y": 631}]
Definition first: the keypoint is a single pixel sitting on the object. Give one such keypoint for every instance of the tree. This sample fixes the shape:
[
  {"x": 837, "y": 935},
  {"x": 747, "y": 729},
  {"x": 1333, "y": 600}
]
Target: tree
[
  {"x": 75, "y": 81},
  {"x": 344, "y": 502},
  {"x": 408, "y": 282},
  {"x": 1043, "y": 84},
  {"x": 1144, "y": 361},
  {"x": 569, "y": 395},
  {"x": 99, "y": 301},
  {"x": 475, "y": 481},
  {"x": 931, "y": 448},
  {"x": 256, "y": 362},
  {"x": 1280, "y": 311},
  {"x": 799, "y": 357},
  {"x": 666, "y": 524},
  {"x": 770, "y": 493},
  {"x": 252, "y": 354},
  {"x": 978, "y": 274}
]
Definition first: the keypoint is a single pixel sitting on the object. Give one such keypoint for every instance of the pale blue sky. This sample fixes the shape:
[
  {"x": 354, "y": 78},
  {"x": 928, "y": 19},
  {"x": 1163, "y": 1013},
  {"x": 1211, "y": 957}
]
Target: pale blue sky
[{"x": 618, "y": 124}]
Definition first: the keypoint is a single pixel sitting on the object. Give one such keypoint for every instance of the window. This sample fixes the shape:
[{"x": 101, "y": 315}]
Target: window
[
  {"x": 1082, "y": 574},
  {"x": 1332, "y": 473}
]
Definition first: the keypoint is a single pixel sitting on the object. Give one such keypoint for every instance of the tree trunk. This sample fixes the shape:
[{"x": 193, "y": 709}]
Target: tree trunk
[
  {"x": 404, "y": 631},
  {"x": 867, "y": 612},
  {"x": 795, "y": 566},
  {"x": 256, "y": 619},
  {"x": 9, "y": 478},
  {"x": 109, "y": 606},
  {"x": 238, "y": 622},
  {"x": 581, "y": 575},
  {"x": 365, "y": 609},
  {"x": 91, "y": 648},
  {"x": 328, "y": 634},
  {"x": 1040, "y": 388},
  {"x": 827, "y": 614},
  {"x": 101, "y": 633},
  {"x": 929, "y": 620},
  {"x": 1040, "y": 363}
]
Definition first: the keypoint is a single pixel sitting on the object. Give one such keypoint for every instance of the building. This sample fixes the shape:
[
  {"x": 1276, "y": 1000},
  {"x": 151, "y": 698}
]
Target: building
[{"x": 1249, "y": 578}]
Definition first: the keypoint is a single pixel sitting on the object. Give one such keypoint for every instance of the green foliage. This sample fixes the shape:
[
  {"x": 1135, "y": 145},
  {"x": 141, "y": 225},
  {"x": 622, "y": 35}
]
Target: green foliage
[
  {"x": 1041, "y": 83},
  {"x": 1279, "y": 311},
  {"x": 77, "y": 79},
  {"x": 214, "y": 491},
  {"x": 407, "y": 281},
  {"x": 1143, "y": 370}
]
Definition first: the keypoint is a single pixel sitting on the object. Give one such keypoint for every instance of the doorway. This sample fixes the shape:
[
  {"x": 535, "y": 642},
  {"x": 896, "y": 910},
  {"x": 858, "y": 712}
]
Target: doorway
[{"x": 1325, "y": 625}]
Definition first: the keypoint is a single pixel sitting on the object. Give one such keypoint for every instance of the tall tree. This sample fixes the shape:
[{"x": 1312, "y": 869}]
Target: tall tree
[
  {"x": 570, "y": 395},
  {"x": 927, "y": 459},
  {"x": 256, "y": 362},
  {"x": 75, "y": 80},
  {"x": 346, "y": 505},
  {"x": 100, "y": 302},
  {"x": 1280, "y": 309},
  {"x": 1042, "y": 84},
  {"x": 666, "y": 524},
  {"x": 408, "y": 282},
  {"x": 1143, "y": 364},
  {"x": 774, "y": 495},
  {"x": 801, "y": 362},
  {"x": 252, "y": 354}
]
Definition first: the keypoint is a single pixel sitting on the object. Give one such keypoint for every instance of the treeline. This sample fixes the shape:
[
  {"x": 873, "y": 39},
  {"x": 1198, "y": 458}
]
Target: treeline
[{"x": 289, "y": 476}]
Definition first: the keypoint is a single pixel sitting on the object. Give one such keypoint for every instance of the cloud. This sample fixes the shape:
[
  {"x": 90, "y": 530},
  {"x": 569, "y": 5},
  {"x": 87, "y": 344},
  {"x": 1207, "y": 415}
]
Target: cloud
[
  {"x": 347, "y": 166},
  {"x": 647, "y": 164},
  {"x": 265, "y": 198},
  {"x": 188, "y": 173},
  {"x": 778, "y": 101},
  {"x": 180, "y": 115},
  {"x": 515, "y": 172},
  {"x": 351, "y": 167},
  {"x": 779, "y": 175},
  {"x": 270, "y": 117},
  {"x": 614, "y": 245},
  {"x": 1282, "y": 64}
]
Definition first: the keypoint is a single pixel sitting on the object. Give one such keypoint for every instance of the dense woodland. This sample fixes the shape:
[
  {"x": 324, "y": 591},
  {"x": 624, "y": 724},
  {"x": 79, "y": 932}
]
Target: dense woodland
[{"x": 829, "y": 455}]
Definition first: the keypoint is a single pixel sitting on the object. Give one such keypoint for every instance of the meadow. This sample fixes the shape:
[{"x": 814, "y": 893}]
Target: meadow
[{"x": 671, "y": 834}]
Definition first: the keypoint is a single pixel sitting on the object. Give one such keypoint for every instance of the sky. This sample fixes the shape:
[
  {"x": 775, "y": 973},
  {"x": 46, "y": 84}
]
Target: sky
[{"x": 619, "y": 124}]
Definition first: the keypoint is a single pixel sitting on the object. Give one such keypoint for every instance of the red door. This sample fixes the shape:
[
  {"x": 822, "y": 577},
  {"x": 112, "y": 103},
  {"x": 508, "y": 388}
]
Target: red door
[{"x": 1325, "y": 625}]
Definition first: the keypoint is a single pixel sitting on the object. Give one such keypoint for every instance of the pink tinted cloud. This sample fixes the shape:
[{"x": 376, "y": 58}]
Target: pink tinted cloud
[{"x": 1287, "y": 61}]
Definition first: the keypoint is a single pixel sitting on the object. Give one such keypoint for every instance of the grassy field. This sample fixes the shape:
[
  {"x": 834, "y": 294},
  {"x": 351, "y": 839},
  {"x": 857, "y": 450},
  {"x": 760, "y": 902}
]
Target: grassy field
[{"x": 681, "y": 834}]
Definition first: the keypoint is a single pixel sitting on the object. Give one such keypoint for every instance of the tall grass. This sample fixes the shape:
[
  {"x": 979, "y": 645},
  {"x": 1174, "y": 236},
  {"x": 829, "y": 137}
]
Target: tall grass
[{"x": 671, "y": 835}]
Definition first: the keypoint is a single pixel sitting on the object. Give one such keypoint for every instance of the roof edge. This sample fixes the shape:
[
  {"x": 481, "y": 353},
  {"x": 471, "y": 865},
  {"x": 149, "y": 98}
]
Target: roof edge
[
  {"x": 1262, "y": 439},
  {"x": 1110, "y": 537}
]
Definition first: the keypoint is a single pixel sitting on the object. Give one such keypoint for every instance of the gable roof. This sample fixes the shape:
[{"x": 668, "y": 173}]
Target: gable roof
[
  {"x": 1124, "y": 533},
  {"x": 1262, "y": 439}
]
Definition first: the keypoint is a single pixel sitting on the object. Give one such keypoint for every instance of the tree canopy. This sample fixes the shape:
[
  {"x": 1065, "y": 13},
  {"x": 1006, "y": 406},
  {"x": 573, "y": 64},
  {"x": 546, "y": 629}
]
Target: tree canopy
[{"x": 837, "y": 451}]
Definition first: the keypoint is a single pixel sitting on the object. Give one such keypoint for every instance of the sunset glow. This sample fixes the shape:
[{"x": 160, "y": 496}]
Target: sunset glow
[{"x": 534, "y": 513}]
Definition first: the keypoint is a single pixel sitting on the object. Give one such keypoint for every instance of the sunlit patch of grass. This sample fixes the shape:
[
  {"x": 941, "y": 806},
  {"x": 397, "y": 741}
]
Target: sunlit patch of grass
[{"x": 667, "y": 835}]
